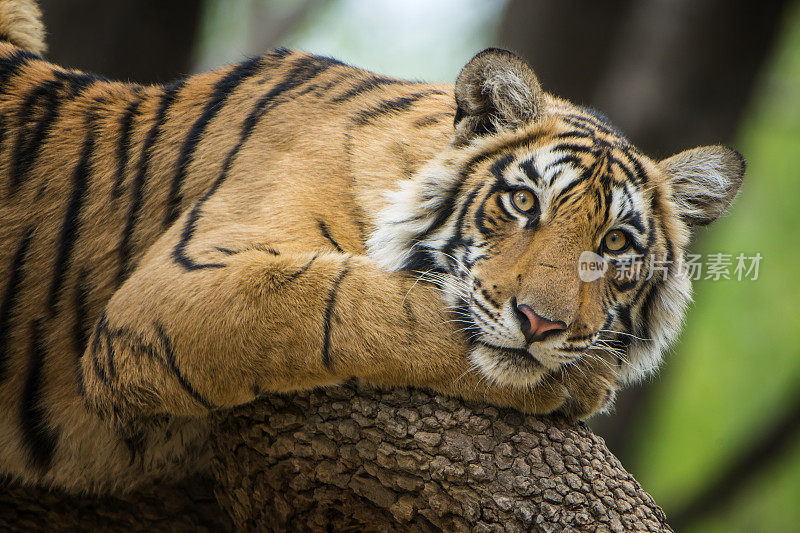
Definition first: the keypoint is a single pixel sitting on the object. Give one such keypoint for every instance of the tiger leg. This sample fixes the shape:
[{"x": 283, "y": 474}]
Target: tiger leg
[{"x": 181, "y": 342}]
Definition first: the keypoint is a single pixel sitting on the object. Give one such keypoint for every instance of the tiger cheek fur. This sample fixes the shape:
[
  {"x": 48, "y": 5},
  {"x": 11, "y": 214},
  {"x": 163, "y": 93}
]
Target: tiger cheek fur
[{"x": 290, "y": 222}]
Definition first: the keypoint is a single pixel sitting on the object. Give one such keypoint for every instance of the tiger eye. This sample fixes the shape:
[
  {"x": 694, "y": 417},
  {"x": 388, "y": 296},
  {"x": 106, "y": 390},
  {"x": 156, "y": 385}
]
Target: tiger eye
[
  {"x": 523, "y": 200},
  {"x": 615, "y": 241}
]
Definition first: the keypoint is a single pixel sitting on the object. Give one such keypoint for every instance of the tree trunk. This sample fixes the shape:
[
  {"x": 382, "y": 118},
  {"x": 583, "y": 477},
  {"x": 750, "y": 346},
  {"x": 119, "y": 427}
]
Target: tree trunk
[{"x": 357, "y": 459}]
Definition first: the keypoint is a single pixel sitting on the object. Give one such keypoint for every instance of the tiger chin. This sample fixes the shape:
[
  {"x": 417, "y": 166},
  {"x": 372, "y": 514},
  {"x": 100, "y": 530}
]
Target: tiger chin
[{"x": 292, "y": 222}]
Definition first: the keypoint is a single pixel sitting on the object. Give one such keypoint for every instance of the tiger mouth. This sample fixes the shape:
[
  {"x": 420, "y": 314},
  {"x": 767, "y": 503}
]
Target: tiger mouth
[{"x": 551, "y": 358}]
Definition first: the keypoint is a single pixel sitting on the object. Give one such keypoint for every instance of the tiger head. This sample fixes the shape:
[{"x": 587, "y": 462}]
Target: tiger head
[{"x": 552, "y": 237}]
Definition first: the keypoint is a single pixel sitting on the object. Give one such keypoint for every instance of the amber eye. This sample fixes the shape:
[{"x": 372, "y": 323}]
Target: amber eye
[
  {"x": 524, "y": 201},
  {"x": 616, "y": 241}
]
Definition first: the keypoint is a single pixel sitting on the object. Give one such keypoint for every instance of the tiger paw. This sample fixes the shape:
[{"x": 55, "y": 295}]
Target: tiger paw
[{"x": 589, "y": 384}]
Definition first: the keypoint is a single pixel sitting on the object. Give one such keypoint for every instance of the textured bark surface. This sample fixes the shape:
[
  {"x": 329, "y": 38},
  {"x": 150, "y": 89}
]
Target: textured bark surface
[{"x": 353, "y": 458}]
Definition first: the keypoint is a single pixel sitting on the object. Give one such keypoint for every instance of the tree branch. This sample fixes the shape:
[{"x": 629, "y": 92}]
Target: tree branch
[{"x": 354, "y": 458}]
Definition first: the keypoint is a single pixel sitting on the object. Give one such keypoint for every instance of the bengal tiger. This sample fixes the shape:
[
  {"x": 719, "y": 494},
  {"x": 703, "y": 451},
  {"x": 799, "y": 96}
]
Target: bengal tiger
[{"x": 290, "y": 222}]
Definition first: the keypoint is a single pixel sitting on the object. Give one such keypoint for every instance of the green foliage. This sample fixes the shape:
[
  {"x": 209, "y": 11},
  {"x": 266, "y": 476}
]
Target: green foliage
[{"x": 737, "y": 367}]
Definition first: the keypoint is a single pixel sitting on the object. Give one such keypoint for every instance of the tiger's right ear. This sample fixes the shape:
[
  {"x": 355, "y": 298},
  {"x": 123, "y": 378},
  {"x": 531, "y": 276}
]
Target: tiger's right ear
[{"x": 495, "y": 91}]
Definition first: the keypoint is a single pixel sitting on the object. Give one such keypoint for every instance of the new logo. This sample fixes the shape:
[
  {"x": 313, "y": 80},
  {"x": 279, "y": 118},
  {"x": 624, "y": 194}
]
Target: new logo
[{"x": 591, "y": 266}]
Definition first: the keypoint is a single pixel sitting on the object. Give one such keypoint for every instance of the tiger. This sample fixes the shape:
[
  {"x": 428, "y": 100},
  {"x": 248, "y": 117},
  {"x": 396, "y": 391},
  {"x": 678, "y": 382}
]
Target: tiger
[{"x": 288, "y": 222}]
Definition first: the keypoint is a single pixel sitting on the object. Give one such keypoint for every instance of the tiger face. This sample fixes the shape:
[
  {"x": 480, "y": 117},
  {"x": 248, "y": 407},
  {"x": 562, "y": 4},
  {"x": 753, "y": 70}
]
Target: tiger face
[{"x": 552, "y": 238}]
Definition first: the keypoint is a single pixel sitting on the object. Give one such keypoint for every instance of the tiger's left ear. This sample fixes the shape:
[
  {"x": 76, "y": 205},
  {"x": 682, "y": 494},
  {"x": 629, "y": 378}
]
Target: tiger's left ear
[
  {"x": 495, "y": 91},
  {"x": 705, "y": 181}
]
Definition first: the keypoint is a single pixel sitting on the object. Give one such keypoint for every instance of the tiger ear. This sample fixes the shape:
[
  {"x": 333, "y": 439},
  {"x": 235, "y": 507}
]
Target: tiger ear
[
  {"x": 495, "y": 91},
  {"x": 705, "y": 181}
]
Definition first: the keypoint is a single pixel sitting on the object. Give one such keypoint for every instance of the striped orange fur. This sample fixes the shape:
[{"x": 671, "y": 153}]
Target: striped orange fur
[{"x": 290, "y": 222}]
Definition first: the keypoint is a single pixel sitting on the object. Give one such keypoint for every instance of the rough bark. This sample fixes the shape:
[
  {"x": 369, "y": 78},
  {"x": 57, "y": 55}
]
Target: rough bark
[{"x": 354, "y": 458}]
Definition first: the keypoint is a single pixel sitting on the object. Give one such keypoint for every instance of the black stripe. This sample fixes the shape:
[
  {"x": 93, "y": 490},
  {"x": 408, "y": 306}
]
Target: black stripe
[
  {"x": 305, "y": 69},
  {"x": 3, "y": 130},
  {"x": 70, "y": 225},
  {"x": 566, "y": 193},
  {"x": 592, "y": 122},
  {"x": 255, "y": 247},
  {"x": 29, "y": 135},
  {"x": 101, "y": 332},
  {"x": 263, "y": 248},
  {"x": 530, "y": 171},
  {"x": 300, "y": 271},
  {"x": 222, "y": 90},
  {"x": 99, "y": 370},
  {"x": 421, "y": 261},
  {"x": 431, "y": 120},
  {"x": 624, "y": 316},
  {"x": 321, "y": 88},
  {"x": 137, "y": 192},
  {"x": 11, "y": 65},
  {"x": 484, "y": 310},
  {"x": 323, "y": 228},
  {"x": 583, "y": 133},
  {"x": 633, "y": 177},
  {"x": 124, "y": 142},
  {"x": 39, "y": 436},
  {"x": 457, "y": 237},
  {"x": 518, "y": 352},
  {"x": 81, "y": 327},
  {"x": 48, "y": 97},
  {"x": 10, "y": 297},
  {"x": 574, "y": 148},
  {"x": 330, "y": 304},
  {"x": 390, "y": 107},
  {"x": 565, "y": 159},
  {"x": 136, "y": 443},
  {"x": 169, "y": 356},
  {"x": 642, "y": 328},
  {"x": 365, "y": 85},
  {"x": 448, "y": 206}
]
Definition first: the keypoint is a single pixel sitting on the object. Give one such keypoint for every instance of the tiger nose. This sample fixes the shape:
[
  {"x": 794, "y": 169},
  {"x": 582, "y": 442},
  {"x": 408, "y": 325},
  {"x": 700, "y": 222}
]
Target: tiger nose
[{"x": 536, "y": 327}]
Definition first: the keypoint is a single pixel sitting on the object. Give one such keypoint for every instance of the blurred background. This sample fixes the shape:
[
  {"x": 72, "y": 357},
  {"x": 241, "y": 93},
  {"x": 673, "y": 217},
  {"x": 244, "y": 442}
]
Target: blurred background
[{"x": 715, "y": 437}]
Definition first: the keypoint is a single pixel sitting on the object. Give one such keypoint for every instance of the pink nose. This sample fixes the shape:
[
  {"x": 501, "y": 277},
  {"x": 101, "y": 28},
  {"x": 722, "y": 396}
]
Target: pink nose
[{"x": 535, "y": 327}]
